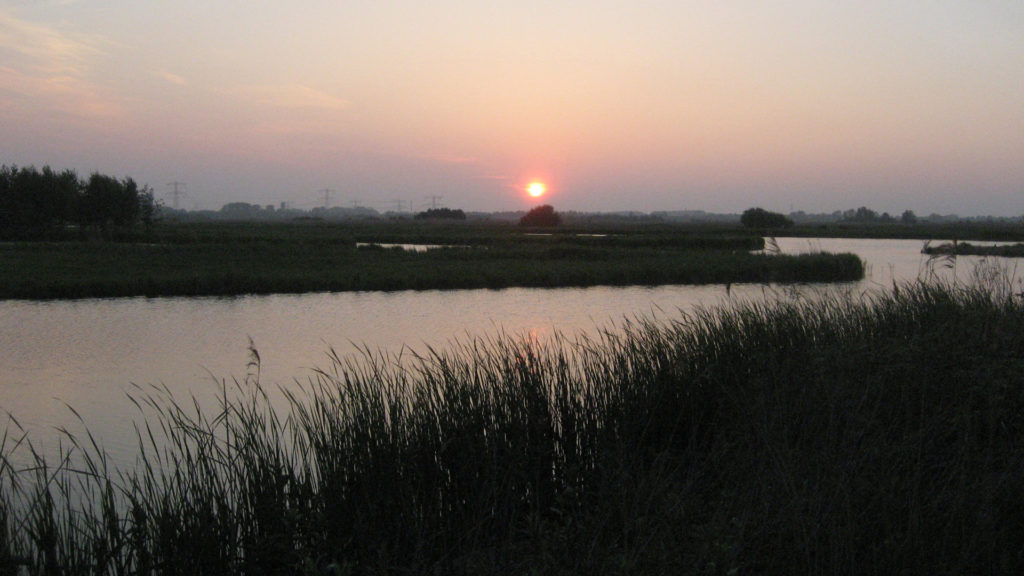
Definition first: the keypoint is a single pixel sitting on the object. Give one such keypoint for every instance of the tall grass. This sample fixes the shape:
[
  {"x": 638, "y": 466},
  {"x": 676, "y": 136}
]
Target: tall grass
[
  {"x": 840, "y": 435},
  {"x": 43, "y": 271}
]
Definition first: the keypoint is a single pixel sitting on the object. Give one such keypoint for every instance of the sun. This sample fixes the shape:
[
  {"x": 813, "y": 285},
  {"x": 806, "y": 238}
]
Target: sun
[{"x": 536, "y": 189}]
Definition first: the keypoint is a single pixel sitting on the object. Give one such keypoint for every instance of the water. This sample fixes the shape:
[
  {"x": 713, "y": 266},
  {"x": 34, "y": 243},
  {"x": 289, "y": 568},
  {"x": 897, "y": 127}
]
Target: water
[{"x": 88, "y": 353}]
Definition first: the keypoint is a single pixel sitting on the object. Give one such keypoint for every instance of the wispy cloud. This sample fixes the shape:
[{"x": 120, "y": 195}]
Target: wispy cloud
[
  {"x": 452, "y": 159},
  {"x": 171, "y": 77},
  {"x": 294, "y": 96},
  {"x": 46, "y": 49},
  {"x": 61, "y": 93},
  {"x": 51, "y": 66}
]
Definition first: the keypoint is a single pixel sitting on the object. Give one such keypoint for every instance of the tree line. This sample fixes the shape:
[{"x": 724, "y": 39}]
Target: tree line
[
  {"x": 40, "y": 204},
  {"x": 761, "y": 219}
]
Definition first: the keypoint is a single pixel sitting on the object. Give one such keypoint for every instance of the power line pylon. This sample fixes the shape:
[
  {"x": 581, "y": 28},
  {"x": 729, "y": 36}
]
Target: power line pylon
[
  {"x": 327, "y": 197},
  {"x": 177, "y": 191}
]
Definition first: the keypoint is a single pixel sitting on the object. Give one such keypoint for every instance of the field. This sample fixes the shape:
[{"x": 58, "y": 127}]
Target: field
[
  {"x": 841, "y": 436},
  {"x": 250, "y": 258}
]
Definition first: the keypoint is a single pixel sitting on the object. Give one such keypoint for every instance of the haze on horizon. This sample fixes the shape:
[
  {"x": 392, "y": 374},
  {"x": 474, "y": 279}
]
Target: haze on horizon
[{"x": 656, "y": 105}]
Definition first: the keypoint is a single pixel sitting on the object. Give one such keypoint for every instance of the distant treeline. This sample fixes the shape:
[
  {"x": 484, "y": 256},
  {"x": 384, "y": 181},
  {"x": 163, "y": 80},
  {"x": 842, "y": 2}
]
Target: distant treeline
[
  {"x": 441, "y": 214},
  {"x": 41, "y": 204}
]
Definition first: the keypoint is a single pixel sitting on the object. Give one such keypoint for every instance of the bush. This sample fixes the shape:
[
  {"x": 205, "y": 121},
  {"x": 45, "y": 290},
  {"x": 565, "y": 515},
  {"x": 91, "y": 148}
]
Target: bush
[
  {"x": 760, "y": 218},
  {"x": 541, "y": 216},
  {"x": 441, "y": 214}
]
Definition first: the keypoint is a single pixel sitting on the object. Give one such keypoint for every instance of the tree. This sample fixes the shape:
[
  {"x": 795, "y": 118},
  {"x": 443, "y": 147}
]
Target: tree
[
  {"x": 106, "y": 201},
  {"x": 148, "y": 206},
  {"x": 909, "y": 217},
  {"x": 241, "y": 211},
  {"x": 759, "y": 218},
  {"x": 544, "y": 215},
  {"x": 865, "y": 214},
  {"x": 40, "y": 204},
  {"x": 34, "y": 203},
  {"x": 441, "y": 214}
]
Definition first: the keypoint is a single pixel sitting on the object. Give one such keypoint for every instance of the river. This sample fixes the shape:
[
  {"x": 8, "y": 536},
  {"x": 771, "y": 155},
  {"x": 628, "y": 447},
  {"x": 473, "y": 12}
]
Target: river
[{"x": 87, "y": 354}]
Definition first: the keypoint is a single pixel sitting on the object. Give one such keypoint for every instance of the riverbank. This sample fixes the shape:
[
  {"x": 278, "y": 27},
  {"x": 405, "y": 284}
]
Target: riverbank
[
  {"x": 226, "y": 260},
  {"x": 847, "y": 436}
]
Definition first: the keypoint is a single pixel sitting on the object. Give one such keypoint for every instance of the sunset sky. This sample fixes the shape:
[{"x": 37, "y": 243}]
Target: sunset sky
[{"x": 643, "y": 105}]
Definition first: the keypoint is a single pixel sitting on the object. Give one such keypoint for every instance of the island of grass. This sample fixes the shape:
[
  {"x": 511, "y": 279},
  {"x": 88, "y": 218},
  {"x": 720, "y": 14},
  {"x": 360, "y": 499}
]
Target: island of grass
[
  {"x": 234, "y": 259},
  {"x": 968, "y": 249}
]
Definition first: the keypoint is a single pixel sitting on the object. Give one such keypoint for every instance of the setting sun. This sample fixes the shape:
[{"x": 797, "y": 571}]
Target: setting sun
[{"x": 536, "y": 189}]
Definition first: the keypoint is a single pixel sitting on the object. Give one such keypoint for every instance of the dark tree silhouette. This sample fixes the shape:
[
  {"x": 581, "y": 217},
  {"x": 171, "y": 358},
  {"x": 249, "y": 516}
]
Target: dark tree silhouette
[
  {"x": 441, "y": 214},
  {"x": 544, "y": 215},
  {"x": 33, "y": 202},
  {"x": 759, "y": 218},
  {"x": 108, "y": 202},
  {"x": 39, "y": 204}
]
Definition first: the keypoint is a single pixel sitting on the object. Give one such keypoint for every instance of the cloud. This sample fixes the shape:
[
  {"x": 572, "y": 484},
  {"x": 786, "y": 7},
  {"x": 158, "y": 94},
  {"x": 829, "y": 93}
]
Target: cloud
[
  {"x": 452, "y": 159},
  {"x": 46, "y": 50},
  {"x": 171, "y": 77},
  {"x": 294, "y": 96},
  {"x": 59, "y": 93},
  {"x": 50, "y": 67}
]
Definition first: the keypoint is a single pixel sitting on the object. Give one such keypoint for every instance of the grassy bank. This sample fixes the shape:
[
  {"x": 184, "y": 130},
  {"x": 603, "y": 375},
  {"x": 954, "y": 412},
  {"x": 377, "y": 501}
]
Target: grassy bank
[
  {"x": 841, "y": 436},
  {"x": 222, "y": 260},
  {"x": 968, "y": 249},
  {"x": 980, "y": 231}
]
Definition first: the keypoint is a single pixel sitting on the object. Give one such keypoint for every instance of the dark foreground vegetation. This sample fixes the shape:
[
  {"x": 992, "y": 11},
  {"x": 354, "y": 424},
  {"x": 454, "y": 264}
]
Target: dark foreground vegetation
[
  {"x": 879, "y": 435},
  {"x": 232, "y": 259}
]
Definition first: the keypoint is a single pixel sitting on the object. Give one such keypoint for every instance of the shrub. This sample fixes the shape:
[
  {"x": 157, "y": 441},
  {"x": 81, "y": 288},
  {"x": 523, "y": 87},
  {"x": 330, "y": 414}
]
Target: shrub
[
  {"x": 441, "y": 214},
  {"x": 544, "y": 215},
  {"x": 760, "y": 218}
]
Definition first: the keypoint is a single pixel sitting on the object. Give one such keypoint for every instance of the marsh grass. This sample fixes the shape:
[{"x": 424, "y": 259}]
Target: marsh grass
[
  {"x": 837, "y": 435},
  {"x": 956, "y": 248},
  {"x": 43, "y": 271},
  {"x": 227, "y": 259}
]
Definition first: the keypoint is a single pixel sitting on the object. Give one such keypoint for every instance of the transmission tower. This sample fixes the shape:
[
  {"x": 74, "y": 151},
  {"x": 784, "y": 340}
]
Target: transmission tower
[
  {"x": 177, "y": 191},
  {"x": 327, "y": 197},
  {"x": 433, "y": 201}
]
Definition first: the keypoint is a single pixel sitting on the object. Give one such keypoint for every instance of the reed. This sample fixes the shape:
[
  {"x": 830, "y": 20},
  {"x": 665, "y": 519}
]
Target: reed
[{"x": 803, "y": 435}]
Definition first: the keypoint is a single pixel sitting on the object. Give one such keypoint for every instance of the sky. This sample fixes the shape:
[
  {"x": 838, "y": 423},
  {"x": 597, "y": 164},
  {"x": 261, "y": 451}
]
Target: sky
[{"x": 642, "y": 105}]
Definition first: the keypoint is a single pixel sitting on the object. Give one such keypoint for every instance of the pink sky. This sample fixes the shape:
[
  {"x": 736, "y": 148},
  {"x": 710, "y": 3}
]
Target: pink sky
[{"x": 616, "y": 106}]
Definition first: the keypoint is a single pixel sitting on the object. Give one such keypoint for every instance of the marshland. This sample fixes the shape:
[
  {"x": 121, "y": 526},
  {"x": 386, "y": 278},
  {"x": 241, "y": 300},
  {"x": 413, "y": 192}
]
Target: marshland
[
  {"x": 268, "y": 258},
  {"x": 730, "y": 404},
  {"x": 860, "y": 428}
]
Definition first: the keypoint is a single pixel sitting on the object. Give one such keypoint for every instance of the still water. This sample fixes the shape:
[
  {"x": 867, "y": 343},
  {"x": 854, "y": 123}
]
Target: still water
[{"x": 87, "y": 353}]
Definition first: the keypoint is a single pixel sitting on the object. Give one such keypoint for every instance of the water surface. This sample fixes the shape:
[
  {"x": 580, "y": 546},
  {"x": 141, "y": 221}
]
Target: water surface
[{"x": 88, "y": 353}]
